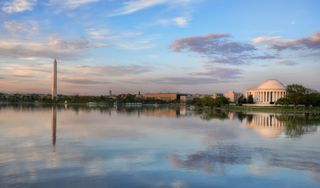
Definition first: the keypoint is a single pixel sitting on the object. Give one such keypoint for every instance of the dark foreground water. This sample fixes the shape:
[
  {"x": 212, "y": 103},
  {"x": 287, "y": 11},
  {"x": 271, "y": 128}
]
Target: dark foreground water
[{"x": 71, "y": 147}]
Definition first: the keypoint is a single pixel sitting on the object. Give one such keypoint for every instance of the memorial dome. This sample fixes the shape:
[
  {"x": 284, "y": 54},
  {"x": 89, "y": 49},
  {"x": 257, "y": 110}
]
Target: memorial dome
[{"x": 271, "y": 84}]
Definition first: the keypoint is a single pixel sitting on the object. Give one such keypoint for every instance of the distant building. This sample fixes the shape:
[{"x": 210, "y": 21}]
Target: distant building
[
  {"x": 232, "y": 96},
  {"x": 168, "y": 96},
  {"x": 215, "y": 95},
  {"x": 267, "y": 92}
]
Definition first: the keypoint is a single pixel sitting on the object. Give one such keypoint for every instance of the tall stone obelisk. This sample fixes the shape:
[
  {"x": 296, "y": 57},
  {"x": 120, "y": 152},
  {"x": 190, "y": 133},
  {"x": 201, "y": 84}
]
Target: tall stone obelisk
[{"x": 54, "y": 80}]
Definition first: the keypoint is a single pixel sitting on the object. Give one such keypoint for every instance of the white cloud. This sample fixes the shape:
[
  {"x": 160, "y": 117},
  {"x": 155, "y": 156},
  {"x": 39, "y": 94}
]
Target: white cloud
[
  {"x": 179, "y": 21},
  {"x": 98, "y": 34},
  {"x": 18, "y": 6}
]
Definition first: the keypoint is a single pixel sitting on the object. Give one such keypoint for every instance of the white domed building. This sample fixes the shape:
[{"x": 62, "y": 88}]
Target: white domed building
[{"x": 267, "y": 92}]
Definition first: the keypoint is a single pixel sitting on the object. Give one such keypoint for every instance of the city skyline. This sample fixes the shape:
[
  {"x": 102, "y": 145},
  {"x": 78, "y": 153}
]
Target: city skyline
[{"x": 157, "y": 45}]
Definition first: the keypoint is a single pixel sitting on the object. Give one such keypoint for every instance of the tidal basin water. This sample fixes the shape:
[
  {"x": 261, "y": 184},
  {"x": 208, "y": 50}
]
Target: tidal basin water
[{"x": 156, "y": 147}]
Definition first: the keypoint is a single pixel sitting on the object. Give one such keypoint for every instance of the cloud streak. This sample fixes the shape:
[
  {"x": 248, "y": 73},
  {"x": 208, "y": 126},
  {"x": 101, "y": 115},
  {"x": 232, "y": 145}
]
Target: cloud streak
[
  {"x": 221, "y": 73},
  {"x": 304, "y": 43},
  {"x": 209, "y": 76},
  {"x": 29, "y": 27},
  {"x": 103, "y": 37},
  {"x": 113, "y": 70},
  {"x": 132, "y": 6},
  {"x": 71, "y": 4},
  {"x": 287, "y": 63},
  {"x": 83, "y": 81},
  {"x": 53, "y": 48}
]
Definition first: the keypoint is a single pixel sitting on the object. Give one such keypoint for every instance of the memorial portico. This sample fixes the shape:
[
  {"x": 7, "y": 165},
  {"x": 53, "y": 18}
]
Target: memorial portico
[{"x": 267, "y": 92}]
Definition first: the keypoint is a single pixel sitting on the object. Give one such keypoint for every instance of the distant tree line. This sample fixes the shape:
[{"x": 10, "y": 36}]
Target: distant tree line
[
  {"x": 122, "y": 98},
  {"x": 130, "y": 98},
  {"x": 243, "y": 100},
  {"x": 29, "y": 98},
  {"x": 300, "y": 95},
  {"x": 208, "y": 101}
]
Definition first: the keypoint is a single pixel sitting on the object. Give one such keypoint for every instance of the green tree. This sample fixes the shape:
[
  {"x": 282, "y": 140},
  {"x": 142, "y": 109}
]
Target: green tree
[
  {"x": 296, "y": 94},
  {"x": 250, "y": 99},
  {"x": 242, "y": 100},
  {"x": 312, "y": 99},
  {"x": 221, "y": 101},
  {"x": 283, "y": 101}
]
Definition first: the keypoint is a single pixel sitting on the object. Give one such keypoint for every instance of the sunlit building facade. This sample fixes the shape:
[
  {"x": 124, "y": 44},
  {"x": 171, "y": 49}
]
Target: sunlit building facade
[
  {"x": 232, "y": 96},
  {"x": 267, "y": 92}
]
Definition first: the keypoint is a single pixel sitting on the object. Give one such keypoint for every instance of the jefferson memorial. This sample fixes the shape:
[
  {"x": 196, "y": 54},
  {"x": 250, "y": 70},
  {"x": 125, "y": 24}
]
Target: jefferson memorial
[{"x": 268, "y": 91}]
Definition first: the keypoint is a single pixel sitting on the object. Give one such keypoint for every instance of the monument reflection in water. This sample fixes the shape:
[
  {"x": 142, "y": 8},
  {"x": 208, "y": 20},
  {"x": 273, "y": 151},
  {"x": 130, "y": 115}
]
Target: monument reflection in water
[
  {"x": 54, "y": 125},
  {"x": 156, "y": 147}
]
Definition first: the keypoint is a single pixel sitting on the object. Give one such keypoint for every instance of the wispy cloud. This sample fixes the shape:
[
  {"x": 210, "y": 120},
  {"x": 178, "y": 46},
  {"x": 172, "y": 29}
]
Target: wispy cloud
[
  {"x": 21, "y": 27},
  {"x": 304, "y": 43},
  {"x": 27, "y": 70},
  {"x": 112, "y": 70},
  {"x": 132, "y": 6},
  {"x": 211, "y": 75},
  {"x": 103, "y": 37},
  {"x": 185, "y": 80},
  {"x": 71, "y": 4},
  {"x": 53, "y": 48},
  {"x": 220, "y": 72},
  {"x": 287, "y": 63},
  {"x": 264, "y": 39},
  {"x": 82, "y": 81},
  {"x": 16, "y": 6}
]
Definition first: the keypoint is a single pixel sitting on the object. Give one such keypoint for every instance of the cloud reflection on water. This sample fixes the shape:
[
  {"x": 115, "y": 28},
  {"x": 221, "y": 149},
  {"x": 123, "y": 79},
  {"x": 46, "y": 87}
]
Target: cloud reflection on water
[{"x": 104, "y": 142}]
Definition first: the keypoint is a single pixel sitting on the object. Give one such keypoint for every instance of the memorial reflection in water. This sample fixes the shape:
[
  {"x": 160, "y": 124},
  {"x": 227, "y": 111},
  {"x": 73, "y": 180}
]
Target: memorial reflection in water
[{"x": 267, "y": 125}]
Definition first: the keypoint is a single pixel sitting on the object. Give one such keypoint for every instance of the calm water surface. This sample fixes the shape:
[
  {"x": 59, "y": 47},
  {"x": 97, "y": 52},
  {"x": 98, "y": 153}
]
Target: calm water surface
[{"x": 71, "y": 147}]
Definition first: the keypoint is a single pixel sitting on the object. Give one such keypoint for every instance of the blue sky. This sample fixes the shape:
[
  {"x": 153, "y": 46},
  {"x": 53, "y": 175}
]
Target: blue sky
[{"x": 196, "y": 46}]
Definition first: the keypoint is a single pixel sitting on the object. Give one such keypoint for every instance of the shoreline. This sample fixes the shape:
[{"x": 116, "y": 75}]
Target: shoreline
[
  {"x": 276, "y": 109},
  {"x": 233, "y": 108}
]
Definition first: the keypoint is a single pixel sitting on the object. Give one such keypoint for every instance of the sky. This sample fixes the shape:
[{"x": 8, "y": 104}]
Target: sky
[{"x": 193, "y": 46}]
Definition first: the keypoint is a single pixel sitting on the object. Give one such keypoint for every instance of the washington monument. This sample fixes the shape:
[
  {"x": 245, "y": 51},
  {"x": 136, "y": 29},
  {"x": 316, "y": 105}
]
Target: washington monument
[{"x": 54, "y": 80}]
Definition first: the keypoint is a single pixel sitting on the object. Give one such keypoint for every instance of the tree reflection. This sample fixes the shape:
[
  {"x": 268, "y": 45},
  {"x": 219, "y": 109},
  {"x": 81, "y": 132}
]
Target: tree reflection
[{"x": 299, "y": 124}]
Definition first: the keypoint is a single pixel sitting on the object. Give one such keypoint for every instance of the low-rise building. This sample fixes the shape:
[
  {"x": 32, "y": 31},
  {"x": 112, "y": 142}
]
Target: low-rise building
[
  {"x": 232, "y": 96},
  {"x": 168, "y": 96}
]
